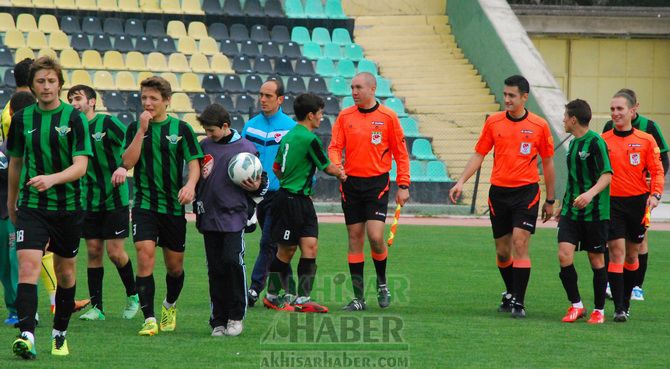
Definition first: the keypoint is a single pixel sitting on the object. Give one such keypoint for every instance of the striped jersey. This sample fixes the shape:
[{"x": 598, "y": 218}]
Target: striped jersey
[
  {"x": 107, "y": 135},
  {"x": 587, "y": 160},
  {"x": 158, "y": 173},
  {"x": 300, "y": 154},
  {"x": 48, "y": 140}
]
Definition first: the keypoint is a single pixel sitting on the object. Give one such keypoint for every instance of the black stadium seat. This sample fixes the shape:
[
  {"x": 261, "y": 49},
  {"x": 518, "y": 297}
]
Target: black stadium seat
[
  {"x": 70, "y": 24},
  {"x": 166, "y": 45},
  {"x": 287, "y": 105},
  {"x": 245, "y": 104},
  {"x": 102, "y": 43},
  {"x": 259, "y": 33},
  {"x": 317, "y": 85},
  {"x": 114, "y": 101},
  {"x": 233, "y": 8},
  {"x": 134, "y": 28},
  {"x": 296, "y": 85},
  {"x": 80, "y": 42},
  {"x": 145, "y": 44},
  {"x": 218, "y": 31},
  {"x": 253, "y": 8},
  {"x": 135, "y": 102},
  {"x": 229, "y": 48},
  {"x": 155, "y": 28},
  {"x": 225, "y": 100},
  {"x": 304, "y": 67},
  {"x": 291, "y": 50},
  {"x": 263, "y": 65},
  {"x": 9, "y": 79},
  {"x": 211, "y": 83},
  {"x": 332, "y": 105},
  {"x": 252, "y": 83},
  {"x": 270, "y": 49},
  {"x": 6, "y": 58},
  {"x": 212, "y": 7},
  {"x": 284, "y": 67},
  {"x": 5, "y": 95},
  {"x": 242, "y": 64},
  {"x": 232, "y": 84},
  {"x": 200, "y": 102},
  {"x": 113, "y": 26},
  {"x": 126, "y": 118},
  {"x": 123, "y": 44},
  {"x": 238, "y": 32},
  {"x": 91, "y": 25},
  {"x": 236, "y": 122},
  {"x": 250, "y": 48},
  {"x": 273, "y": 8},
  {"x": 280, "y": 33}
]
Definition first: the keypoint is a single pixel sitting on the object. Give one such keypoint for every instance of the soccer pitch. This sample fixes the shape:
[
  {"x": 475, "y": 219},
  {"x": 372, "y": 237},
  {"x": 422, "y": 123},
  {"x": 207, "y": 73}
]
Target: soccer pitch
[{"x": 446, "y": 289}]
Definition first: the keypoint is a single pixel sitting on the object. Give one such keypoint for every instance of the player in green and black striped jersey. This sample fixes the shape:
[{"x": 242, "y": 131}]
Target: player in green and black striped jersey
[
  {"x": 157, "y": 145},
  {"x": 107, "y": 204},
  {"x": 649, "y": 126},
  {"x": 49, "y": 146},
  {"x": 584, "y": 219}
]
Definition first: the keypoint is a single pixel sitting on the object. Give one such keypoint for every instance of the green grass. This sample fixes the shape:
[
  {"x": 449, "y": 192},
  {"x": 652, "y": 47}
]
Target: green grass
[{"x": 447, "y": 290}]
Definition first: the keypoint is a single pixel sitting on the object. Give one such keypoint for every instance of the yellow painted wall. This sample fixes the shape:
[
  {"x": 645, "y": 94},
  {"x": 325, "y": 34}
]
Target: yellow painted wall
[
  {"x": 593, "y": 69},
  {"x": 354, "y": 8}
]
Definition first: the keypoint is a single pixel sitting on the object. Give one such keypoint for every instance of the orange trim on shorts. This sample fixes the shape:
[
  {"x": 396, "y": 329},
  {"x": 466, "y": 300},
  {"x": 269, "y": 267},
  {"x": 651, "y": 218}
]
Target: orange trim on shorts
[
  {"x": 388, "y": 186},
  {"x": 615, "y": 268},
  {"x": 379, "y": 257},
  {"x": 491, "y": 207},
  {"x": 344, "y": 198},
  {"x": 356, "y": 258},
  {"x": 535, "y": 200},
  {"x": 632, "y": 267},
  {"x": 504, "y": 264},
  {"x": 521, "y": 263}
]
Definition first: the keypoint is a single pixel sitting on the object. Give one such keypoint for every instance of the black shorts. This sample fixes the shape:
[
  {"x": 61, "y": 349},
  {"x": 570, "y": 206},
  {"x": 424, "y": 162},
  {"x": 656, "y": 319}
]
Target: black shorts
[
  {"x": 293, "y": 217},
  {"x": 60, "y": 229},
  {"x": 586, "y": 236},
  {"x": 164, "y": 229},
  {"x": 627, "y": 217},
  {"x": 106, "y": 225},
  {"x": 365, "y": 198},
  {"x": 513, "y": 207}
]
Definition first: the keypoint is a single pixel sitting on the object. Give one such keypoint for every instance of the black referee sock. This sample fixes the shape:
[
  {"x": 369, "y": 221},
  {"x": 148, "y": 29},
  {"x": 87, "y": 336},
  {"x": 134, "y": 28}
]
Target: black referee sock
[
  {"x": 629, "y": 280},
  {"x": 380, "y": 267},
  {"x": 642, "y": 270},
  {"x": 356, "y": 271},
  {"x": 521, "y": 276},
  {"x": 599, "y": 287},
  {"x": 128, "y": 278},
  {"x": 616, "y": 286},
  {"x": 64, "y": 307},
  {"x": 146, "y": 289},
  {"x": 95, "y": 276},
  {"x": 278, "y": 276},
  {"x": 508, "y": 277},
  {"x": 174, "y": 286},
  {"x": 26, "y": 306},
  {"x": 569, "y": 278},
  {"x": 306, "y": 275}
]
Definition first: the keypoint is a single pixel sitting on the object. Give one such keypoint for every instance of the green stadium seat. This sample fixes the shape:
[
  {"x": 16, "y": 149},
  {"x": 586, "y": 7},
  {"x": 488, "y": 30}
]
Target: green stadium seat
[
  {"x": 346, "y": 68},
  {"x": 347, "y": 101},
  {"x": 332, "y": 50},
  {"x": 311, "y": 50},
  {"x": 397, "y": 106},
  {"x": 417, "y": 171},
  {"x": 300, "y": 34},
  {"x": 339, "y": 86},
  {"x": 341, "y": 36},
  {"x": 334, "y": 9},
  {"x": 325, "y": 68},
  {"x": 437, "y": 171},
  {"x": 320, "y": 35},
  {"x": 410, "y": 127},
  {"x": 422, "y": 150},
  {"x": 366, "y": 65},
  {"x": 353, "y": 52},
  {"x": 314, "y": 9},
  {"x": 294, "y": 9},
  {"x": 383, "y": 87}
]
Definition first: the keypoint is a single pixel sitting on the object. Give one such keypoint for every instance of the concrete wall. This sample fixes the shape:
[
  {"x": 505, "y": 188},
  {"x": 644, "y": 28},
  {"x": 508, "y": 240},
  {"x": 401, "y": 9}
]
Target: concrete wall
[
  {"x": 593, "y": 69},
  {"x": 354, "y": 8}
]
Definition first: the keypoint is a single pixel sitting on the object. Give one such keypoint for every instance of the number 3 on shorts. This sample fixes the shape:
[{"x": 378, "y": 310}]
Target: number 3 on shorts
[
  {"x": 134, "y": 229},
  {"x": 287, "y": 234}
]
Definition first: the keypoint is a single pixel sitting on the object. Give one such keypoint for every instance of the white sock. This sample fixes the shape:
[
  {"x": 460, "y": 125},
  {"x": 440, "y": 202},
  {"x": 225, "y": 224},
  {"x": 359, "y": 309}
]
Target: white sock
[
  {"x": 29, "y": 336},
  {"x": 56, "y": 332},
  {"x": 302, "y": 299},
  {"x": 578, "y": 305},
  {"x": 602, "y": 311},
  {"x": 167, "y": 304},
  {"x": 52, "y": 298},
  {"x": 151, "y": 319},
  {"x": 271, "y": 296}
]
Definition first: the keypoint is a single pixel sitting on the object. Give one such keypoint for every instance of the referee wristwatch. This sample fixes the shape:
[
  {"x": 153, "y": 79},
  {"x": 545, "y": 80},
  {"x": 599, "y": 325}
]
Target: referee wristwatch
[
  {"x": 550, "y": 202},
  {"x": 657, "y": 196},
  {"x": 403, "y": 187}
]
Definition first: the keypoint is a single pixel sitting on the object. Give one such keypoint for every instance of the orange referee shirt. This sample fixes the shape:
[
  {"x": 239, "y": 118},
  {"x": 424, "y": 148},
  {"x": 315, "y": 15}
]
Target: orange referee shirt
[
  {"x": 632, "y": 155},
  {"x": 516, "y": 144},
  {"x": 369, "y": 138}
]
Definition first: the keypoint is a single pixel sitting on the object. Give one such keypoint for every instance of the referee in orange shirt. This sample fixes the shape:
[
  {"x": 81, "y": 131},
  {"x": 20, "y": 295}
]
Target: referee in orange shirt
[
  {"x": 633, "y": 154},
  {"x": 517, "y": 137},
  {"x": 370, "y": 136}
]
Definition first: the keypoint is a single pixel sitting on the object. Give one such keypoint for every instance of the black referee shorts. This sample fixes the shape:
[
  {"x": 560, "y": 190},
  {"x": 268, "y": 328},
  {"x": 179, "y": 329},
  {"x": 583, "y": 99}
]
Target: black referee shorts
[
  {"x": 513, "y": 207},
  {"x": 365, "y": 198},
  {"x": 627, "y": 217},
  {"x": 293, "y": 217}
]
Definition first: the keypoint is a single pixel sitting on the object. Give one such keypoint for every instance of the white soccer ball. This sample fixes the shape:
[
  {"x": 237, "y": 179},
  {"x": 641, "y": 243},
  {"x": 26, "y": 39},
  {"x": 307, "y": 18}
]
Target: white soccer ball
[{"x": 244, "y": 166}]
